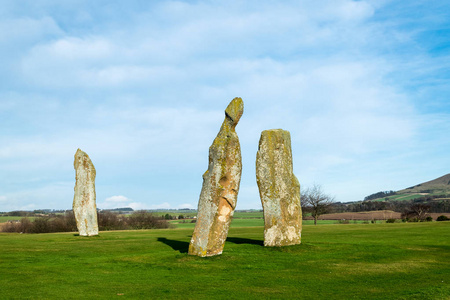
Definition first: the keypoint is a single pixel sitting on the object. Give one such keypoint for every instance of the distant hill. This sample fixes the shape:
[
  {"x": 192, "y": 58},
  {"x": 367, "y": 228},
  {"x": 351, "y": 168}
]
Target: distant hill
[{"x": 436, "y": 187}]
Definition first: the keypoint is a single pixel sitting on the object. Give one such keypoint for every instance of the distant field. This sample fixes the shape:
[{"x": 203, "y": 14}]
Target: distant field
[
  {"x": 9, "y": 218},
  {"x": 376, "y": 261},
  {"x": 190, "y": 214},
  {"x": 175, "y": 213},
  {"x": 248, "y": 223},
  {"x": 248, "y": 214},
  {"x": 364, "y": 215}
]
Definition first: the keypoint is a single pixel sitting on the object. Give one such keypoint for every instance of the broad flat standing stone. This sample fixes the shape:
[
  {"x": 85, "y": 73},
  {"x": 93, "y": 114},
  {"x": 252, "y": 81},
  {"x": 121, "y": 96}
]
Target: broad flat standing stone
[
  {"x": 279, "y": 189},
  {"x": 220, "y": 187},
  {"x": 84, "y": 207}
]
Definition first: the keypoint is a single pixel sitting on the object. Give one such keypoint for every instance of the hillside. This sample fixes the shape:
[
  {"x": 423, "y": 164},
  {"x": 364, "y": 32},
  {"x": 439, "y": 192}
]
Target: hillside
[{"x": 438, "y": 186}]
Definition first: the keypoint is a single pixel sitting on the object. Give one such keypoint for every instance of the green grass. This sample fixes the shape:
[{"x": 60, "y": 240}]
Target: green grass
[
  {"x": 4, "y": 219},
  {"x": 248, "y": 214},
  {"x": 249, "y": 223},
  {"x": 376, "y": 261},
  {"x": 175, "y": 213}
]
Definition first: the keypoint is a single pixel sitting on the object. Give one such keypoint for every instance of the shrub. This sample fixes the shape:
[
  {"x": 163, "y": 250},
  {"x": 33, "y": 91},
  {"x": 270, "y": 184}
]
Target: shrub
[
  {"x": 166, "y": 216},
  {"x": 428, "y": 219},
  {"x": 41, "y": 225},
  {"x": 111, "y": 221},
  {"x": 145, "y": 220},
  {"x": 442, "y": 218},
  {"x": 67, "y": 223},
  {"x": 23, "y": 226},
  {"x": 390, "y": 221}
]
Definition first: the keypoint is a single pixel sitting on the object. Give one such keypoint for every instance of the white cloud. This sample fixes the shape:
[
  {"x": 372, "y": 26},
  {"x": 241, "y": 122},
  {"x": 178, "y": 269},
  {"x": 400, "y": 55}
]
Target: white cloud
[
  {"x": 137, "y": 205},
  {"x": 143, "y": 94},
  {"x": 115, "y": 202},
  {"x": 121, "y": 201},
  {"x": 164, "y": 205},
  {"x": 117, "y": 199},
  {"x": 186, "y": 205},
  {"x": 3, "y": 199}
]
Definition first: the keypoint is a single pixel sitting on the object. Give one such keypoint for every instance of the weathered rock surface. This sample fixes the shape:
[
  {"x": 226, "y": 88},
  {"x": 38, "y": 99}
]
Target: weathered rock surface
[
  {"x": 84, "y": 206},
  {"x": 220, "y": 187},
  {"x": 279, "y": 189}
]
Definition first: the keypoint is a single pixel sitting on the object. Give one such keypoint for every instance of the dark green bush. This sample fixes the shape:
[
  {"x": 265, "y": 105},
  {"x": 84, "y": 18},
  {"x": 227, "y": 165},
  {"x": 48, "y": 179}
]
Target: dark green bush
[
  {"x": 442, "y": 218},
  {"x": 390, "y": 221}
]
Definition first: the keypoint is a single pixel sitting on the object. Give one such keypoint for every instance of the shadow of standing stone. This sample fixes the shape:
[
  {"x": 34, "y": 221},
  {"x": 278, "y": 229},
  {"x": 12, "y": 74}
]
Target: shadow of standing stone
[
  {"x": 180, "y": 246},
  {"x": 237, "y": 240}
]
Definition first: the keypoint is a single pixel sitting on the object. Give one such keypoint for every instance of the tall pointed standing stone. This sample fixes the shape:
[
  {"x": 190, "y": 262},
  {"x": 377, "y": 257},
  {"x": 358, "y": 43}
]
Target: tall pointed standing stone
[
  {"x": 84, "y": 207},
  {"x": 279, "y": 189},
  {"x": 220, "y": 187}
]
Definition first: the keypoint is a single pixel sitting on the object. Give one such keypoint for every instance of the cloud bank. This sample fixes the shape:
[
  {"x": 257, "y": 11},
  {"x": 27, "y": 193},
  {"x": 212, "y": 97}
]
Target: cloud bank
[{"x": 141, "y": 87}]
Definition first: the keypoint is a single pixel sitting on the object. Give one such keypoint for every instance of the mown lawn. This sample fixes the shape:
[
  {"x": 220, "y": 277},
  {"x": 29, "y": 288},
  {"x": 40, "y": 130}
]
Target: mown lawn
[
  {"x": 257, "y": 222},
  {"x": 370, "y": 261}
]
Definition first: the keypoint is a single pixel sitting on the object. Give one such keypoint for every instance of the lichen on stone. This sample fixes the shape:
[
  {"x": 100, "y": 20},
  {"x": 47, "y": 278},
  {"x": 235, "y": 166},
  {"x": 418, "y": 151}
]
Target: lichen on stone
[
  {"x": 279, "y": 189},
  {"x": 220, "y": 187},
  {"x": 84, "y": 206}
]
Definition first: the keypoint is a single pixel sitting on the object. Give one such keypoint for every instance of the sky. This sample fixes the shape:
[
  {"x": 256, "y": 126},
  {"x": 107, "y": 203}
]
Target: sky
[{"x": 141, "y": 87}]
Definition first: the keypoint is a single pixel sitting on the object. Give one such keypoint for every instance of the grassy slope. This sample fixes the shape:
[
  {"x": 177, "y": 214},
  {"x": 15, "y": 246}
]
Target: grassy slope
[
  {"x": 377, "y": 261},
  {"x": 438, "y": 186}
]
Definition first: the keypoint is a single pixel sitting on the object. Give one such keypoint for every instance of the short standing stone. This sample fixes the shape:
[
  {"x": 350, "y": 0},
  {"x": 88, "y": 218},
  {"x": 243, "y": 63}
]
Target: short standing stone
[
  {"x": 279, "y": 189},
  {"x": 84, "y": 207},
  {"x": 220, "y": 187}
]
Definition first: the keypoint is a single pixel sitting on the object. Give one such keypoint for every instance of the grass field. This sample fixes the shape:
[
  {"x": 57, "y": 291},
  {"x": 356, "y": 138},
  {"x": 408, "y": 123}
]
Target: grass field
[
  {"x": 376, "y": 261},
  {"x": 9, "y": 218},
  {"x": 249, "y": 223}
]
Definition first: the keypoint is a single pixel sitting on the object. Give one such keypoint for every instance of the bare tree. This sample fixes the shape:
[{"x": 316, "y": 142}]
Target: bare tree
[
  {"x": 314, "y": 200},
  {"x": 416, "y": 211}
]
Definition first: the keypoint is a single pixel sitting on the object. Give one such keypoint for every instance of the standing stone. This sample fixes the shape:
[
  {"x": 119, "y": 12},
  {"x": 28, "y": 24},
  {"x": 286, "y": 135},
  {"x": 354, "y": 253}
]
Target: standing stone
[
  {"x": 84, "y": 207},
  {"x": 279, "y": 189},
  {"x": 220, "y": 187}
]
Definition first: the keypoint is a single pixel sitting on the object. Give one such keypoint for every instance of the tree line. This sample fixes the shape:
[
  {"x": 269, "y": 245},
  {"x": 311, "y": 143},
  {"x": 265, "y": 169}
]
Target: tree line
[
  {"x": 66, "y": 222},
  {"x": 436, "y": 204},
  {"x": 381, "y": 194}
]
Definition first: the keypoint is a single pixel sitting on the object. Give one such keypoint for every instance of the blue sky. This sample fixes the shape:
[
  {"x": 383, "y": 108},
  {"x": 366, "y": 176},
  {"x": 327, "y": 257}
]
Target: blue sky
[{"x": 142, "y": 86}]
